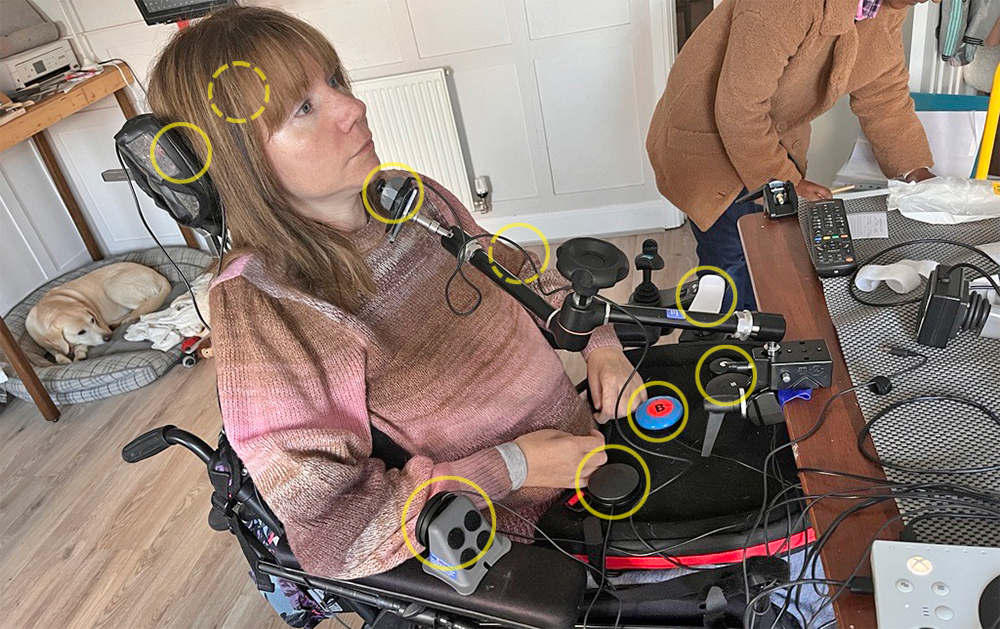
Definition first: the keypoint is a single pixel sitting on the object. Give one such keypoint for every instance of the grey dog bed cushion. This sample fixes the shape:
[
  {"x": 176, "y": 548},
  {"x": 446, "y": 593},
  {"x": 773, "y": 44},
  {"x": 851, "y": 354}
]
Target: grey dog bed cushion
[{"x": 116, "y": 367}]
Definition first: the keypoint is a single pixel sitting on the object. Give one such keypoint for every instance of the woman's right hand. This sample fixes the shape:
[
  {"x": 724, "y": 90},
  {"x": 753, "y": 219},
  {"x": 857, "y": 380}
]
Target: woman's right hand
[
  {"x": 812, "y": 191},
  {"x": 553, "y": 457}
]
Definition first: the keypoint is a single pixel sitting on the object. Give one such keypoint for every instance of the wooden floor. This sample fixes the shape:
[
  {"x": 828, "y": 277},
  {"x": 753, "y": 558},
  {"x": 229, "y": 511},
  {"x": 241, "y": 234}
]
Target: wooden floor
[{"x": 87, "y": 540}]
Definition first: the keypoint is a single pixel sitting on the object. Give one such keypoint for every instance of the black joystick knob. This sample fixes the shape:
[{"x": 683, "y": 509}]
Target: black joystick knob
[
  {"x": 614, "y": 485},
  {"x": 591, "y": 264},
  {"x": 646, "y": 293}
]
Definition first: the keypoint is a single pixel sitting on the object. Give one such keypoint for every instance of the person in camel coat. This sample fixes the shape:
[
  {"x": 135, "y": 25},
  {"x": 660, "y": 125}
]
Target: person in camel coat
[{"x": 736, "y": 110}]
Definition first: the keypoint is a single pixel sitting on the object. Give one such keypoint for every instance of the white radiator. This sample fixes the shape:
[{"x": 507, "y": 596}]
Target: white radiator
[{"x": 412, "y": 122}]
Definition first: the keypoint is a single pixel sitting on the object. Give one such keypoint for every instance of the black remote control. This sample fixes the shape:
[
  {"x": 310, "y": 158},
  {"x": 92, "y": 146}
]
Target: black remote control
[{"x": 829, "y": 241}]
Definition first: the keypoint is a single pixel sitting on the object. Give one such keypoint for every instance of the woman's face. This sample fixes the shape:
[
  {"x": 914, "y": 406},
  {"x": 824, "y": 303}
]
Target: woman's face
[{"x": 323, "y": 151}]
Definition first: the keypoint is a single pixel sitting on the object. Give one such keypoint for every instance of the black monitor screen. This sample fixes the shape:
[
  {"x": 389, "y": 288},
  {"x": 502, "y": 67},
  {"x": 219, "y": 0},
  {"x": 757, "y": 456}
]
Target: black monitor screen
[{"x": 166, "y": 11}]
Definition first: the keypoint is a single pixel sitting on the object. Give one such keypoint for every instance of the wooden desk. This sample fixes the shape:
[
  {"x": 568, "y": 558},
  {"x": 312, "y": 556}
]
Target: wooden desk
[
  {"x": 784, "y": 281},
  {"x": 32, "y": 124}
]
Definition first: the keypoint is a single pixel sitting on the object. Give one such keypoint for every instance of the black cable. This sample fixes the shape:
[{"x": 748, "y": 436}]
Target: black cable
[
  {"x": 983, "y": 274},
  {"x": 604, "y": 571},
  {"x": 852, "y": 288},
  {"x": 142, "y": 217},
  {"x": 815, "y": 428},
  {"x": 134, "y": 75},
  {"x": 874, "y": 458}
]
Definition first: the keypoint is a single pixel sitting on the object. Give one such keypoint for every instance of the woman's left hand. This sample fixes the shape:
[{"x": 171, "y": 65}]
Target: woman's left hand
[{"x": 607, "y": 370}]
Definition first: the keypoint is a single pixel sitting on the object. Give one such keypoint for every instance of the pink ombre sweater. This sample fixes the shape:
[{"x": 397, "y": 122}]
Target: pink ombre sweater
[{"x": 302, "y": 381}]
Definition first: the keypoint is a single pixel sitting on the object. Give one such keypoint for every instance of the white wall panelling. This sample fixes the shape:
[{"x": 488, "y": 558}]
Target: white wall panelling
[
  {"x": 589, "y": 108},
  {"x": 548, "y": 18},
  {"x": 498, "y": 143},
  {"x": 447, "y": 27},
  {"x": 362, "y": 32}
]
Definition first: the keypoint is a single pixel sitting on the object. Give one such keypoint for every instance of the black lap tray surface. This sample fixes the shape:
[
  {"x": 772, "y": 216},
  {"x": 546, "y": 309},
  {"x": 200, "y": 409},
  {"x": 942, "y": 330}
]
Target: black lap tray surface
[
  {"x": 714, "y": 492},
  {"x": 529, "y": 587}
]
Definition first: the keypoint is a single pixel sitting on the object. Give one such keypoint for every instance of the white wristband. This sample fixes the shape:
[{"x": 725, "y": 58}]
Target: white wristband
[{"x": 517, "y": 465}]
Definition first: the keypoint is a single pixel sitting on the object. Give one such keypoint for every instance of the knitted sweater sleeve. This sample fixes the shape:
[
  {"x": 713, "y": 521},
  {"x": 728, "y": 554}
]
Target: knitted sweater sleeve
[
  {"x": 294, "y": 407},
  {"x": 546, "y": 284}
]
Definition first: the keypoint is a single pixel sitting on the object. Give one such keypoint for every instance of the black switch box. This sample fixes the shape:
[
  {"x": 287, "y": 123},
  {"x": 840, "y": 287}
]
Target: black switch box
[{"x": 801, "y": 365}]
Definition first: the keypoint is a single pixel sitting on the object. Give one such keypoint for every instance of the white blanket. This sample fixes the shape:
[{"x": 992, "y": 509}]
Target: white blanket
[{"x": 166, "y": 328}]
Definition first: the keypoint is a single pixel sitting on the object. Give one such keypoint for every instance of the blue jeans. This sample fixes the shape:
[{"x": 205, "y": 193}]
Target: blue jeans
[{"x": 720, "y": 246}]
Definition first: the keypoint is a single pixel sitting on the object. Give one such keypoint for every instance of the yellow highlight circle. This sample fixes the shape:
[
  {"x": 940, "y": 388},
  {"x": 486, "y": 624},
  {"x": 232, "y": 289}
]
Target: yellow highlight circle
[
  {"x": 717, "y": 271},
  {"x": 493, "y": 526},
  {"x": 545, "y": 243},
  {"x": 738, "y": 350},
  {"x": 197, "y": 175},
  {"x": 680, "y": 395},
  {"x": 579, "y": 473},
  {"x": 376, "y": 215},
  {"x": 242, "y": 64}
]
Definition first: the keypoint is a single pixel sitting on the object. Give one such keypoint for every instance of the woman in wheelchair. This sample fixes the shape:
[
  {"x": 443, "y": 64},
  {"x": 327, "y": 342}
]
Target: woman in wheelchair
[{"x": 326, "y": 334}]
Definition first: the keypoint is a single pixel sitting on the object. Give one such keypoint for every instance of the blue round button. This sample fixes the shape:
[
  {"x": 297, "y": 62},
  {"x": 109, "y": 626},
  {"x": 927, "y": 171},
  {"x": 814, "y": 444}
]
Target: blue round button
[{"x": 659, "y": 413}]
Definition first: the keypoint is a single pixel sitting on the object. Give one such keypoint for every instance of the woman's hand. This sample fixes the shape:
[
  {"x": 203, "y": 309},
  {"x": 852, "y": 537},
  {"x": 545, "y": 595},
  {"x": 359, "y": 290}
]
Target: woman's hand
[
  {"x": 554, "y": 455},
  {"x": 812, "y": 191},
  {"x": 607, "y": 370}
]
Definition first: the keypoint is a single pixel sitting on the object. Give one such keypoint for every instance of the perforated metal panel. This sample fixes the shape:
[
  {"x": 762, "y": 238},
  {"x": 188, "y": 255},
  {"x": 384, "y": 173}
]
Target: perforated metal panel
[{"x": 942, "y": 435}]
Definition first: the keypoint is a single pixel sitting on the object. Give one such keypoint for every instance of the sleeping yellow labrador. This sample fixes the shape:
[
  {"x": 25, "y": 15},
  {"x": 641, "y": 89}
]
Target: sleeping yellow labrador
[{"x": 81, "y": 313}]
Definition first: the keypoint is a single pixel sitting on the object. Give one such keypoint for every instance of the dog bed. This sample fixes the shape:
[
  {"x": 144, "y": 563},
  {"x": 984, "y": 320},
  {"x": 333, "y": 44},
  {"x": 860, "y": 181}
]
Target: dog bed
[{"x": 116, "y": 367}]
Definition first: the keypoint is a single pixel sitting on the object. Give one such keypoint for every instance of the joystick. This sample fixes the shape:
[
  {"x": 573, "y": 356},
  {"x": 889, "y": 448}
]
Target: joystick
[{"x": 646, "y": 293}]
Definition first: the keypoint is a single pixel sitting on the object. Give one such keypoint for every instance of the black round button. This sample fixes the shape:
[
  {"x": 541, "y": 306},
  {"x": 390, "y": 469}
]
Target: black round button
[
  {"x": 468, "y": 555},
  {"x": 482, "y": 539},
  {"x": 456, "y": 538},
  {"x": 473, "y": 520}
]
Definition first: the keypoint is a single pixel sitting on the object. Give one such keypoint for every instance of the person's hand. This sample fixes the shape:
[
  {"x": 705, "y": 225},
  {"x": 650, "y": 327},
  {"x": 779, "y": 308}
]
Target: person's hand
[
  {"x": 554, "y": 455},
  {"x": 812, "y": 191},
  {"x": 920, "y": 174},
  {"x": 607, "y": 370}
]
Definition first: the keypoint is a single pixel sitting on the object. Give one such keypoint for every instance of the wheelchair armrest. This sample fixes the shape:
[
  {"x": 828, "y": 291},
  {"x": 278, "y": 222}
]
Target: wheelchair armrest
[{"x": 529, "y": 587}]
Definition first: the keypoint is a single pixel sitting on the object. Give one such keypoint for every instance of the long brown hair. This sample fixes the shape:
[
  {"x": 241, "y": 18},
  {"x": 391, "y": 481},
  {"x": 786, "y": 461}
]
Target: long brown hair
[{"x": 301, "y": 252}]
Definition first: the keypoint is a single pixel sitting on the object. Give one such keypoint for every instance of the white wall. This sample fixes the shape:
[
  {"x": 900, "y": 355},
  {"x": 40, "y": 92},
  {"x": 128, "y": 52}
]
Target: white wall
[{"x": 554, "y": 99}]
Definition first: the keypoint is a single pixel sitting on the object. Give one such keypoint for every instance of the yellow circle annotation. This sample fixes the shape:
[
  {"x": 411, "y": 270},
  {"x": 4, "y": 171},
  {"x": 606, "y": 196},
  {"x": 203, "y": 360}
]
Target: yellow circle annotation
[
  {"x": 713, "y": 269},
  {"x": 545, "y": 244},
  {"x": 753, "y": 377},
  {"x": 240, "y": 64},
  {"x": 493, "y": 520},
  {"x": 680, "y": 396},
  {"x": 208, "y": 157},
  {"x": 367, "y": 203},
  {"x": 579, "y": 473}
]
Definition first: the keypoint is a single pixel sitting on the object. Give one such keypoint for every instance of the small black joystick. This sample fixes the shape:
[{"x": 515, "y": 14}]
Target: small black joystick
[
  {"x": 614, "y": 485},
  {"x": 646, "y": 293},
  {"x": 591, "y": 264}
]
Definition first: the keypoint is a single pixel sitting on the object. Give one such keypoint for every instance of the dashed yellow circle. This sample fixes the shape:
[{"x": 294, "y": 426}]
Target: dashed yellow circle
[
  {"x": 239, "y": 64},
  {"x": 717, "y": 271},
  {"x": 545, "y": 243},
  {"x": 208, "y": 157},
  {"x": 493, "y": 522},
  {"x": 579, "y": 473},
  {"x": 753, "y": 372},
  {"x": 376, "y": 215},
  {"x": 684, "y": 404}
]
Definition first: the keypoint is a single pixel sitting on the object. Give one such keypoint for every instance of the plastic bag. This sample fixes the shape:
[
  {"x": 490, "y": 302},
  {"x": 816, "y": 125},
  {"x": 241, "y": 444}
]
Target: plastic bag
[{"x": 946, "y": 200}]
